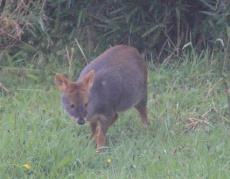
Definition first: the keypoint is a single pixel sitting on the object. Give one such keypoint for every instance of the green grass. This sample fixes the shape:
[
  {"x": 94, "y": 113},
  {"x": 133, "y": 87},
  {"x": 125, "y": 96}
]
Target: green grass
[{"x": 35, "y": 130}]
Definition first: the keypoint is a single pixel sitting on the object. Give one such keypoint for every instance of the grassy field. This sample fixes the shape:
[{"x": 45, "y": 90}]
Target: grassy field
[{"x": 188, "y": 136}]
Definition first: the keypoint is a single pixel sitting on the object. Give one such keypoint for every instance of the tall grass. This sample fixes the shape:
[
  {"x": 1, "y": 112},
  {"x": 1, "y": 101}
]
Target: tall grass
[{"x": 188, "y": 136}]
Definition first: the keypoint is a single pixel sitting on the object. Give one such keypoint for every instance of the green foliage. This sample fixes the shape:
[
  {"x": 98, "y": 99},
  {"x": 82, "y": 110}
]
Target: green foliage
[
  {"x": 188, "y": 136},
  {"x": 160, "y": 28},
  {"x": 189, "y": 132}
]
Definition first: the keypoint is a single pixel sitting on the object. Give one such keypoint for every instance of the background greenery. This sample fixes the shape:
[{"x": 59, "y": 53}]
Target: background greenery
[
  {"x": 186, "y": 45},
  {"x": 47, "y": 29}
]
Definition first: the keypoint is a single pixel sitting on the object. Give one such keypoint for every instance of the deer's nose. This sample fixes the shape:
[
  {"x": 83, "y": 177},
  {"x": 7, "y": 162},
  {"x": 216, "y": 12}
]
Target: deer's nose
[{"x": 81, "y": 121}]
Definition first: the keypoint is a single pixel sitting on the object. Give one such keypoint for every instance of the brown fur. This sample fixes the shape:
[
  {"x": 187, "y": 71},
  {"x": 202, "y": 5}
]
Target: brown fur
[{"x": 113, "y": 82}]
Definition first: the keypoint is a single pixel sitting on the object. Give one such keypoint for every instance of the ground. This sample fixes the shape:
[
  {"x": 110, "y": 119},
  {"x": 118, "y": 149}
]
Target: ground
[{"x": 188, "y": 136}]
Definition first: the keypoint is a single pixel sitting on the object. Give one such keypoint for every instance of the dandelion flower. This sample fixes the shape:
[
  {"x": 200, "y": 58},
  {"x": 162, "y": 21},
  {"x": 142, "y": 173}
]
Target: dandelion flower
[
  {"x": 109, "y": 160},
  {"x": 27, "y": 166}
]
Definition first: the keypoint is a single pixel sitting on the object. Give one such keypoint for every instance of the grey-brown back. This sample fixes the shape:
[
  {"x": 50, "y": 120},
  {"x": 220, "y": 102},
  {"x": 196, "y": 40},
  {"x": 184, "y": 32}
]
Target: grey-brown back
[{"x": 120, "y": 80}]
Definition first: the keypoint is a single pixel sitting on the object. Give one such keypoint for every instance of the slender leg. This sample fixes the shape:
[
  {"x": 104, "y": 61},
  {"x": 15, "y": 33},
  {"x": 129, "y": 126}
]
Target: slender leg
[
  {"x": 100, "y": 139},
  {"x": 102, "y": 127},
  {"x": 93, "y": 126},
  {"x": 143, "y": 114}
]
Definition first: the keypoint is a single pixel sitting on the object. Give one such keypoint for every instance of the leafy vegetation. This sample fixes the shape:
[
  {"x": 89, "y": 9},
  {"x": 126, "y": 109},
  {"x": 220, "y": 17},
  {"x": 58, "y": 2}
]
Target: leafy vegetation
[
  {"x": 160, "y": 28},
  {"x": 187, "y": 46}
]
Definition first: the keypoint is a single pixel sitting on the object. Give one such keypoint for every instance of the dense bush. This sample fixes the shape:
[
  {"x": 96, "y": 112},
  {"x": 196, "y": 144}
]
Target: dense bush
[{"x": 160, "y": 28}]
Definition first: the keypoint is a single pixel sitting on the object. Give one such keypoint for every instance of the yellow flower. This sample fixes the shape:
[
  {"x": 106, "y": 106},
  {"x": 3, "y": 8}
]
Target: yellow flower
[
  {"x": 27, "y": 166},
  {"x": 109, "y": 160}
]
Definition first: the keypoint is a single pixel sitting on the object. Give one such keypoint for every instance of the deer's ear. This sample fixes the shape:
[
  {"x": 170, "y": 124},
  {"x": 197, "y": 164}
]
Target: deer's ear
[
  {"x": 88, "y": 80},
  {"x": 62, "y": 82}
]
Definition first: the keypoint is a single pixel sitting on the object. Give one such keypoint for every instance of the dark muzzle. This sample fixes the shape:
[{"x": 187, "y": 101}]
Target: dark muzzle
[{"x": 81, "y": 121}]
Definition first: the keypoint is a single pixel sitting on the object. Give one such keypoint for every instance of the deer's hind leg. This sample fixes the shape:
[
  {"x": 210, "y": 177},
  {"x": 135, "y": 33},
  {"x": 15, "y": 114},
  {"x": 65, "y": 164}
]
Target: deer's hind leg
[{"x": 141, "y": 107}]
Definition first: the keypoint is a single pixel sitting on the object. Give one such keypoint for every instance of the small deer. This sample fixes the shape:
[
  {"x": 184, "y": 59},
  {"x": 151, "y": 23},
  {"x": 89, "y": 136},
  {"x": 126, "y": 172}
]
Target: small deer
[{"x": 113, "y": 82}]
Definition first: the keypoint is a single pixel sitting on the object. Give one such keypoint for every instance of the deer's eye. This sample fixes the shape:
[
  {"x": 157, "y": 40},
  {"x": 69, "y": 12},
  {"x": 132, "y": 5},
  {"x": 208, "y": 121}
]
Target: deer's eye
[{"x": 72, "y": 105}]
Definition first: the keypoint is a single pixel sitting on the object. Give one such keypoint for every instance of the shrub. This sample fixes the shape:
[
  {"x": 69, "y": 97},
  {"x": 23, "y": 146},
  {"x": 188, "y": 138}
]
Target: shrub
[{"x": 160, "y": 28}]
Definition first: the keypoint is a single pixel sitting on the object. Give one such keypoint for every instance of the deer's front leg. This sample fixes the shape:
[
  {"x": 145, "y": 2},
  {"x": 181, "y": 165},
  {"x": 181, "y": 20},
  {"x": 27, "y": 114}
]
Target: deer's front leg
[
  {"x": 100, "y": 139},
  {"x": 103, "y": 124},
  {"x": 93, "y": 126}
]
